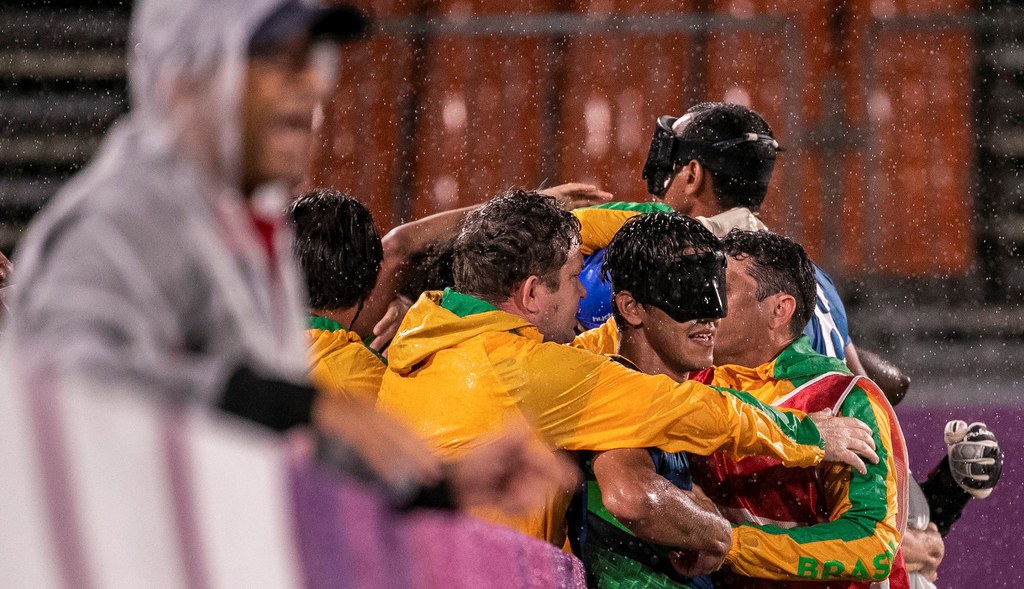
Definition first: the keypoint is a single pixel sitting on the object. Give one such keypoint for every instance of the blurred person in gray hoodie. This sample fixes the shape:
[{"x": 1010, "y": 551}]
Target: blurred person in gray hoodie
[{"x": 164, "y": 268}]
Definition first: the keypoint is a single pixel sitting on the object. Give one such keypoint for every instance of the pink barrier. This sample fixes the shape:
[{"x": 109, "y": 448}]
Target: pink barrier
[{"x": 350, "y": 538}]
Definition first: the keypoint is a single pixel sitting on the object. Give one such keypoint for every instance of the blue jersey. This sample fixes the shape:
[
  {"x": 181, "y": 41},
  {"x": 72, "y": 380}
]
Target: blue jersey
[
  {"x": 674, "y": 466},
  {"x": 827, "y": 329}
]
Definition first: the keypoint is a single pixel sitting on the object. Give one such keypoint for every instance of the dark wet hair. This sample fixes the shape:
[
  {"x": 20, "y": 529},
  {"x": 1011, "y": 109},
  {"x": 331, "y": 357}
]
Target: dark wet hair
[
  {"x": 778, "y": 264},
  {"x": 722, "y": 121},
  {"x": 338, "y": 248},
  {"x": 514, "y": 236},
  {"x": 429, "y": 269},
  {"x": 648, "y": 244}
]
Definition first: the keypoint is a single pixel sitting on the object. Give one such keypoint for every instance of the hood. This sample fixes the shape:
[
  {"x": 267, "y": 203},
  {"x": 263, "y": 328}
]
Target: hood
[
  {"x": 187, "y": 64},
  {"x": 162, "y": 199},
  {"x": 180, "y": 144},
  {"x": 428, "y": 328}
]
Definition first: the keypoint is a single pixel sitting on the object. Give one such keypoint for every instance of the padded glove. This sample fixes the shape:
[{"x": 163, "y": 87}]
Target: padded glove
[{"x": 975, "y": 459}]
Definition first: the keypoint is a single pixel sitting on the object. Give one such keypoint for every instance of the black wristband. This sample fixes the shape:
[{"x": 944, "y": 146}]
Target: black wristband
[
  {"x": 946, "y": 500},
  {"x": 438, "y": 496},
  {"x": 277, "y": 404}
]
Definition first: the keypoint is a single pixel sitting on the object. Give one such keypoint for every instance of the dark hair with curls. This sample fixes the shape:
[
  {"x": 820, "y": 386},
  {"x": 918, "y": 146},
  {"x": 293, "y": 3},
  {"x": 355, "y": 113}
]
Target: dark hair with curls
[
  {"x": 338, "y": 248},
  {"x": 778, "y": 264},
  {"x": 428, "y": 269},
  {"x": 514, "y": 236},
  {"x": 648, "y": 244},
  {"x": 722, "y": 121}
]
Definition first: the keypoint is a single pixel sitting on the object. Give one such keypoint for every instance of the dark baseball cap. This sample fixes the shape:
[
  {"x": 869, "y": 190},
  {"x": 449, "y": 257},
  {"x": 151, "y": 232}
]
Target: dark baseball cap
[{"x": 295, "y": 18}]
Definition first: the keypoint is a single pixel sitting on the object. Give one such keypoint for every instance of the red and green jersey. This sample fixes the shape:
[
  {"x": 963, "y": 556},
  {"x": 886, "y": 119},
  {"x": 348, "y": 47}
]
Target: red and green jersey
[{"x": 826, "y": 523}]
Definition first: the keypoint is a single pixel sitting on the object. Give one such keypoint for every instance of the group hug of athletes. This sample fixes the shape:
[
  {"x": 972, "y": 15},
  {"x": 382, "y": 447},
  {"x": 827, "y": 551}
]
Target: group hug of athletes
[{"x": 692, "y": 364}]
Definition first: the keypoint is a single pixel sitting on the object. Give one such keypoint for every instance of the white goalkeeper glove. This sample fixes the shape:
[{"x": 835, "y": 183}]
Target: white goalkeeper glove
[{"x": 975, "y": 459}]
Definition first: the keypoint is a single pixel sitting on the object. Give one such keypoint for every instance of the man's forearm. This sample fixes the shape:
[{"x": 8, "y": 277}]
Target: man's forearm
[{"x": 655, "y": 509}]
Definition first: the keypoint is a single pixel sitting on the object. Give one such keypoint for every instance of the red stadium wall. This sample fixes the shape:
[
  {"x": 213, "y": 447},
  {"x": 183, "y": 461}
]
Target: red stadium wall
[{"x": 876, "y": 114}]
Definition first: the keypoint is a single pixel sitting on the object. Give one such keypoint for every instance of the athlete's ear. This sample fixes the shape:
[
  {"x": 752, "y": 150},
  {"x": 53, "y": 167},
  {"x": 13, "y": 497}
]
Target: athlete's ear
[
  {"x": 630, "y": 310},
  {"x": 692, "y": 175},
  {"x": 526, "y": 296},
  {"x": 782, "y": 308}
]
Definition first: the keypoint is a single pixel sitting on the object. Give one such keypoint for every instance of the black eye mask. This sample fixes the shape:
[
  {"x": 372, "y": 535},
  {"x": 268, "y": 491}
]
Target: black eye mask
[
  {"x": 668, "y": 152},
  {"x": 685, "y": 289}
]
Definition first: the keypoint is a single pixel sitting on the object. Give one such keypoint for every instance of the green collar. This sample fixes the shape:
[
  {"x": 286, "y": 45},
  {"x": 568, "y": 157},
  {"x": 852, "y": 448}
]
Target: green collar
[
  {"x": 464, "y": 305},
  {"x": 325, "y": 324},
  {"x": 318, "y": 322},
  {"x": 799, "y": 363}
]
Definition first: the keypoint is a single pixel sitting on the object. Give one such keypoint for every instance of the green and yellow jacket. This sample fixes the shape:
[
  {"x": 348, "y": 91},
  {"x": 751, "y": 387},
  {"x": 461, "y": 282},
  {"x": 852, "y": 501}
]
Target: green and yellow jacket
[{"x": 829, "y": 523}]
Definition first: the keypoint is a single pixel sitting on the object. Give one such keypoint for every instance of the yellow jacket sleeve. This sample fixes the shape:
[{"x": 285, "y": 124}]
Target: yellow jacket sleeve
[
  {"x": 579, "y": 400},
  {"x": 603, "y": 339},
  {"x": 861, "y": 537},
  {"x": 599, "y": 225}
]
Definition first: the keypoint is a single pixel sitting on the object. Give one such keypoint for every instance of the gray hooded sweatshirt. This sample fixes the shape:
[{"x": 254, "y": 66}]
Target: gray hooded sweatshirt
[{"x": 146, "y": 273}]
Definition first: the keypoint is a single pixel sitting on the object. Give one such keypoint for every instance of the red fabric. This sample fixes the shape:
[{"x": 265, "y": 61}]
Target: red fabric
[
  {"x": 800, "y": 494},
  {"x": 703, "y": 376},
  {"x": 267, "y": 230}
]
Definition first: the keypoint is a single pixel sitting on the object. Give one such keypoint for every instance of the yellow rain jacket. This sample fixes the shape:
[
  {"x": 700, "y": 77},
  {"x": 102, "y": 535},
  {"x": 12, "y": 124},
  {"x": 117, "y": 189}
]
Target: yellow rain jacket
[
  {"x": 341, "y": 364},
  {"x": 603, "y": 339},
  {"x": 459, "y": 369}
]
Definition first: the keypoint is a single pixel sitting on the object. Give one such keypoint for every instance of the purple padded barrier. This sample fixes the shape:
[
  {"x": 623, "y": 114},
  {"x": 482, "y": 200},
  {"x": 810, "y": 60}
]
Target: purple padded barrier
[
  {"x": 472, "y": 553},
  {"x": 348, "y": 538},
  {"x": 984, "y": 548}
]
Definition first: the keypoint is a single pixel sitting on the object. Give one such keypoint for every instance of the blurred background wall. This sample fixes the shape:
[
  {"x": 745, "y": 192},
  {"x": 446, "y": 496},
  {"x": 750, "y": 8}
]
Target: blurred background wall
[{"x": 903, "y": 122}]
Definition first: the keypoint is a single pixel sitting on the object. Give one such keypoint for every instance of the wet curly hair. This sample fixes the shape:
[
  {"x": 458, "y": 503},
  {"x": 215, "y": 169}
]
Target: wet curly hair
[{"x": 514, "y": 236}]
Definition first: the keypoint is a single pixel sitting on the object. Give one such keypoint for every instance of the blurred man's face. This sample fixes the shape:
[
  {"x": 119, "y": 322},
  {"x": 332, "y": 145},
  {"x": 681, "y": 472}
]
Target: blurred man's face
[
  {"x": 557, "y": 317},
  {"x": 281, "y": 92}
]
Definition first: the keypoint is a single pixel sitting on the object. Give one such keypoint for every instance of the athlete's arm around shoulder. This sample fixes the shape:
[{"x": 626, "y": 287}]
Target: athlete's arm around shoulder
[
  {"x": 600, "y": 223},
  {"x": 581, "y": 400}
]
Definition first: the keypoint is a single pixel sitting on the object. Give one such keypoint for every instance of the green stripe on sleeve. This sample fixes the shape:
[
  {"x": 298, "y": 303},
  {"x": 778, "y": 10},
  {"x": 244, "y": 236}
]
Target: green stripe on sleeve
[
  {"x": 842, "y": 529},
  {"x": 800, "y": 430},
  {"x": 640, "y": 207},
  {"x": 867, "y": 492}
]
